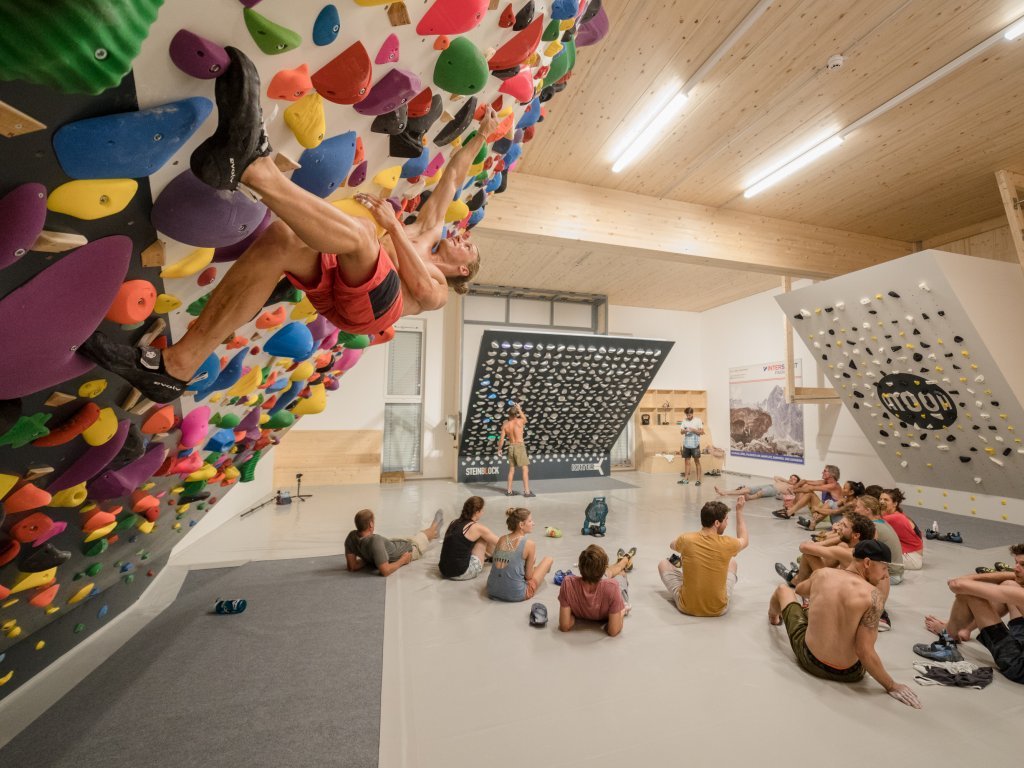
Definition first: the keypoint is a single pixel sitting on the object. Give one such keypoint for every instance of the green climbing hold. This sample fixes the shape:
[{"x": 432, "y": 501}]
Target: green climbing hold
[
  {"x": 194, "y": 487},
  {"x": 248, "y": 470},
  {"x": 230, "y": 420},
  {"x": 270, "y": 37},
  {"x": 125, "y": 521},
  {"x": 143, "y": 554},
  {"x": 552, "y": 31},
  {"x": 461, "y": 68},
  {"x": 561, "y": 64},
  {"x": 95, "y": 548},
  {"x": 25, "y": 430},
  {"x": 196, "y": 307},
  {"x": 74, "y": 46},
  {"x": 280, "y": 420},
  {"x": 353, "y": 340},
  {"x": 129, "y": 578},
  {"x": 79, "y": 628},
  {"x": 93, "y": 569}
]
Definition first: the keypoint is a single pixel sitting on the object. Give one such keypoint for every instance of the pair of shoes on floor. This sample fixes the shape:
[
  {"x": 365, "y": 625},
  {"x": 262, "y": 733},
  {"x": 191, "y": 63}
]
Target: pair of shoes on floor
[
  {"x": 787, "y": 574},
  {"x": 884, "y": 622},
  {"x": 675, "y": 560},
  {"x": 930, "y": 534},
  {"x": 954, "y": 538},
  {"x": 684, "y": 481},
  {"x": 510, "y": 493},
  {"x": 560, "y": 576},
  {"x": 529, "y": 495},
  {"x": 697, "y": 483},
  {"x": 999, "y": 567},
  {"x": 781, "y": 514},
  {"x": 628, "y": 555},
  {"x": 804, "y": 522},
  {"x": 943, "y": 649},
  {"x": 538, "y": 615}
]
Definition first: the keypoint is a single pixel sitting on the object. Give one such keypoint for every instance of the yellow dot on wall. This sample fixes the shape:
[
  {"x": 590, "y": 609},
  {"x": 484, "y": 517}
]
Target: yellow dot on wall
[
  {"x": 1005, "y": 517},
  {"x": 945, "y": 506},
  {"x": 945, "y": 494},
  {"x": 1003, "y": 502},
  {"x": 974, "y": 511},
  {"x": 40, "y": 645},
  {"x": 929, "y": 465},
  {"x": 920, "y": 490},
  {"x": 972, "y": 498},
  {"x": 939, "y": 341}
]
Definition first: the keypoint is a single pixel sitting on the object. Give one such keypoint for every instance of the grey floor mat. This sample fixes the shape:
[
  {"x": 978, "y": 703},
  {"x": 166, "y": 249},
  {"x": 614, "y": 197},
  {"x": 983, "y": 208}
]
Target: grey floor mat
[
  {"x": 541, "y": 487},
  {"x": 977, "y": 533}
]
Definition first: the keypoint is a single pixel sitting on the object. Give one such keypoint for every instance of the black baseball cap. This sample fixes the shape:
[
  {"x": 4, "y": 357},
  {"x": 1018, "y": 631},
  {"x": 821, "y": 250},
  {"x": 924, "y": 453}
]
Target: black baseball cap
[{"x": 873, "y": 550}]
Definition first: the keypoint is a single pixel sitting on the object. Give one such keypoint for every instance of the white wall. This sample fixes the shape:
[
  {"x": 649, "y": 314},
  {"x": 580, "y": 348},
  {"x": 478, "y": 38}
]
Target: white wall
[{"x": 683, "y": 368}]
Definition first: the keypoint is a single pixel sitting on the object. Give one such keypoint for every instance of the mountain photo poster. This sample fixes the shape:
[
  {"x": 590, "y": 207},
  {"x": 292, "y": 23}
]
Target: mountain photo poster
[{"x": 762, "y": 425}]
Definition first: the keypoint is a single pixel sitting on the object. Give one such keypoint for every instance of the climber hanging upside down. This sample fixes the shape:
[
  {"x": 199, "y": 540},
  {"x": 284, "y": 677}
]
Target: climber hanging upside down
[{"x": 357, "y": 281}]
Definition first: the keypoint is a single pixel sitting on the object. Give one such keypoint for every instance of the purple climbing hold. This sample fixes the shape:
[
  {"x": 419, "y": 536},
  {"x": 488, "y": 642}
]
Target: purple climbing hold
[
  {"x": 22, "y": 216},
  {"x": 121, "y": 482},
  {"x": 358, "y": 175},
  {"x": 396, "y": 87},
  {"x": 251, "y": 420},
  {"x": 38, "y": 352},
  {"x": 92, "y": 462},
  {"x": 320, "y": 329},
  {"x": 232, "y": 252},
  {"x": 197, "y": 56},
  {"x": 594, "y": 30},
  {"x": 193, "y": 213}
]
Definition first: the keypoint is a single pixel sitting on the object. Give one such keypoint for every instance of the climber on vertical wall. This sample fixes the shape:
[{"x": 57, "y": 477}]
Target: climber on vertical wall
[{"x": 357, "y": 281}]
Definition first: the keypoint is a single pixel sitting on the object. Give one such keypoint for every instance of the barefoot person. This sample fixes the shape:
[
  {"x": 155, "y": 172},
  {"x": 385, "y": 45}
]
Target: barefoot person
[
  {"x": 775, "y": 489},
  {"x": 467, "y": 543},
  {"x": 834, "y": 637},
  {"x": 359, "y": 282},
  {"x": 514, "y": 575},
  {"x": 365, "y": 547},
  {"x": 512, "y": 430},
  {"x": 599, "y": 593},
  {"x": 981, "y": 601},
  {"x": 807, "y": 493}
]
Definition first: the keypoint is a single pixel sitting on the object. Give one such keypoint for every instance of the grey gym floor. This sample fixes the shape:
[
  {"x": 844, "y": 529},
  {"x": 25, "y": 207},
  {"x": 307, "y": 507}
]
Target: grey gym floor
[{"x": 467, "y": 681}]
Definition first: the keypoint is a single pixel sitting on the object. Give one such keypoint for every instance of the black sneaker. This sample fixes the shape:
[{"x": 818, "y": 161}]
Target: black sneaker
[
  {"x": 240, "y": 137},
  {"x": 142, "y": 367},
  {"x": 787, "y": 574},
  {"x": 675, "y": 559}
]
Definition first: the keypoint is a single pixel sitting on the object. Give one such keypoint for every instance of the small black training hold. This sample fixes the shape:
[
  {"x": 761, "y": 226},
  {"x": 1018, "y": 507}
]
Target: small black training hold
[
  {"x": 995, "y": 403},
  {"x": 831, "y": 331},
  {"x": 916, "y": 332},
  {"x": 950, "y": 438},
  {"x": 872, "y": 312},
  {"x": 829, "y": 309},
  {"x": 924, "y": 316},
  {"x": 883, "y": 433},
  {"x": 1007, "y": 451},
  {"x": 918, "y": 357},
  {"x": 958, "y": 339},
  {"x": 942, "y": 313},
  {"x": 965, "y": 459},
  {"x": 926, "y": 345},
  {"x": 853, "y": 365},
  {"x": 858, "y": 394},
  {"x": 894, "y": 294}
]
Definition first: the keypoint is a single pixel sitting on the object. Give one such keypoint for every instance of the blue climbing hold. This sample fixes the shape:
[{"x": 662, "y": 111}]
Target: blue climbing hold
[
  {"x": 476, "y": 217},
  {"x": 288, "y": 397},
  {"x": 531, "y": 115},
  {"x": 293, "y": 340},
  {"x": 513, "y": 154},
  {"x": 325, "y": 168},
  {"x": 220, "y": 441},
  {"x": 417, "y": 165},
  {"x": 326, "y": 26},
  {"x": 229, "y": 376},
  {"x": 564, "y": 9}
]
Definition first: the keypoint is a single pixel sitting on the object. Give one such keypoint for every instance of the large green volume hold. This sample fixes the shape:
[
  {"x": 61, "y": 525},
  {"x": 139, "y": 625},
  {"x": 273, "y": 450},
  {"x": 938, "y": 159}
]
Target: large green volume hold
[
  {"x": 461, "y": 68},
  {"x": 75, "y": 46}
]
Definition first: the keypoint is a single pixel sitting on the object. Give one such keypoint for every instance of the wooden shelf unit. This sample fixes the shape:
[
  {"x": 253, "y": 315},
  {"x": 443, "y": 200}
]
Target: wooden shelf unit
[{"x": 665, "y": 408}]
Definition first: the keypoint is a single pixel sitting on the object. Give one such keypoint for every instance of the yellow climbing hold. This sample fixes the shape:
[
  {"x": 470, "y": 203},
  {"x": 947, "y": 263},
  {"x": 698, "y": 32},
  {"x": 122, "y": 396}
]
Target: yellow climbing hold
[
  {"x": 553, "y": 47},
  {"x": 302, "y": 371},
  {"x": 475, "y": 170},
  {"x": 92, "y": 388},
  {"x": 99, "y": 533},
  {"x": 182, "y": 510},
  {"x": 306, "y": 119},
  {"x": 165, "y": 303},
  {"x": 14, "y": 632},
  {"x": 204, "y": 473},
  {"x": 32, "y": 580},
  {"x": 196, "y": 261},
  {"x": 81, "y": 594},
  {"x": 247, "y": 383},
  {"x": 6, "y": 678},
  {"x": 231, "y": 473},
  {"x": 353, "y": 208},
  {"x": 146, "y": 526},
  {"x": 70, "y": 497},
  {"x": 40, "y": 645},
  {"x": 51, "y": 609},
  {"x": 315, "y": 403},
  {"x": 92, "y": 198},
  {"x": 388, "y": 178},
  {"x": 9, "y": 603},
  {"x": 457, "y": 211},
  {"x": 304, "y": 310},
  {"x": 103, "y": 429},
  {"x": 6, "y": 483}
]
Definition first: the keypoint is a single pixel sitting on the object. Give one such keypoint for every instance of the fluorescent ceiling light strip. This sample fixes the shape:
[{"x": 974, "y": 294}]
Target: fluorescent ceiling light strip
[
  {"x": 1015, "y": 30},
  {"x": 652, "y": 132},
  {"x": 794, "y": 165}
]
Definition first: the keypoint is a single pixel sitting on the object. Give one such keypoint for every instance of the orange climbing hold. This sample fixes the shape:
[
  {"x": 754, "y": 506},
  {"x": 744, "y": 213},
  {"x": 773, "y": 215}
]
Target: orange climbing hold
[
  {"x": 160, "y": 421},
  {"x": 502, "y": 130},
  {"x": 26, "y": 498},
  {"x": 419, "y": 105},
  {"x": 8, "y": 551},
  {"x": 237, "y": 342},
  {"x": 272, "y": 319},
  {"x": 97, "y": 520},
  {"x": 31, "y": 528},
  {"x": 84, "y": 418},
  {"x": 44, "y": 596},
  {"x": 134, "y": 302},
  {"x": 290, "y": 84},
  {"x": 360, "y": 152},
  {"x": 442, "y": 42}
]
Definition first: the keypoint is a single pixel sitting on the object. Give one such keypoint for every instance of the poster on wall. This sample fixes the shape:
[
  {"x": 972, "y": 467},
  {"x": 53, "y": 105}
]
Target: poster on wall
[{"x": 762, "y": 425}]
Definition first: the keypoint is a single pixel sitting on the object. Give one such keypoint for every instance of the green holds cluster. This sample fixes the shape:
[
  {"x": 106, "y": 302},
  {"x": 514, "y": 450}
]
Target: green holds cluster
[
  {"x": 461, "y": 68},
  {"x": 562, "y": 63},
  {"x": 25, "y": 430},
  {"x": 270, "y": 37},
  {"x": 75, "y": 46},
  {"x": 247, "y": 472}
]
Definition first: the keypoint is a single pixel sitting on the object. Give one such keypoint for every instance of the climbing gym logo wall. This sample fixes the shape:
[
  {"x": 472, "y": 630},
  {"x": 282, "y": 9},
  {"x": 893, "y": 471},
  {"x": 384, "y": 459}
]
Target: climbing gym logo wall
[{"x": 913, "y": 400}]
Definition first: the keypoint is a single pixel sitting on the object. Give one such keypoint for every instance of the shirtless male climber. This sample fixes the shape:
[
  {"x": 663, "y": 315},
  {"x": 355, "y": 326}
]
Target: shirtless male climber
[
  {"x": 834, "y": 637},
  {"x": 512, "y": 430},
  {"x": 357, "y": 281}
]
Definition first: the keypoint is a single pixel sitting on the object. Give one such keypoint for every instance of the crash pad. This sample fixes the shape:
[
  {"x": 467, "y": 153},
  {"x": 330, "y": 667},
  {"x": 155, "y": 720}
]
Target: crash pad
[
  {"x": 306, "y": 120},
  {"x": 197, "y": 56},
  {"x": 90, "y": 199},
  {"x": 128, "y": 145},
  {"x": 193, "y": 213},
  {"x": 396, "y": 87},
  {"x": 461, "y": 68},
  {"x": 270, "y": 37},
  {"x": 458, "y": 125},
  {"x": 290, "y": 84},
  {"x": 39, "y": 353},
  {"x": 22, "y": 217},
  {"x": 121, "y": 482},
  {"x": 451, "y": 17},
  {"x": 326, "y": 26},
  {"x": 517, "y": 50},
  {"x": 325, "y": 167},
  {"x": 93, "y": 461},
  {"x": 345, "y": 79}
]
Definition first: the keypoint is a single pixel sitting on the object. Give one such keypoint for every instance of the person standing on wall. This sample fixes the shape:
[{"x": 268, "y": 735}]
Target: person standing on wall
[
  {"x": 512, "y": 429},
  {"x": 691, "y": 428}
]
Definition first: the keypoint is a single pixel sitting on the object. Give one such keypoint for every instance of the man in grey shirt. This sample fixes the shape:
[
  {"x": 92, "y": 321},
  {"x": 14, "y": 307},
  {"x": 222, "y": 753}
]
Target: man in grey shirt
[{"x": 365, "y": 547}]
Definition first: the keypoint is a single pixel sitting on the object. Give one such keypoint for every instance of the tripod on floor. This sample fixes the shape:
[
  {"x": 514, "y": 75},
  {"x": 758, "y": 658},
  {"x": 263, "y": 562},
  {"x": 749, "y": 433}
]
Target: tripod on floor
[{"x": 284, "y": 498}]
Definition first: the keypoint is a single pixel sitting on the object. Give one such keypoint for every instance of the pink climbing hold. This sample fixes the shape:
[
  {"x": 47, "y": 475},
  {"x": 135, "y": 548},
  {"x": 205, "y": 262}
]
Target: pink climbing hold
[
  {"x": 347, "y": 359},
  {"x": 519, "y": 87},
  {"x": 195, "y": 426},
  {"x": 197, "y": 56},
  {"x": 290, "y": 84},
  {"x": 22, "y": 216},
  {"x": 397, "y": 87},
  {"x": 452, "y": 17},
  {"x": 388, "y": 53},
  {"x": 58, "y": 527},
  {"x": 434, "y": 165}
]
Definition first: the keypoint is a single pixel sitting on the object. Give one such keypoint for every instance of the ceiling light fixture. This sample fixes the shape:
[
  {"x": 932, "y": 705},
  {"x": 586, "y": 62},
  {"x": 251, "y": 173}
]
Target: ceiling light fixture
[
  {"x": 1010, "y": 32},
  {"x": 647, "y": 135}
]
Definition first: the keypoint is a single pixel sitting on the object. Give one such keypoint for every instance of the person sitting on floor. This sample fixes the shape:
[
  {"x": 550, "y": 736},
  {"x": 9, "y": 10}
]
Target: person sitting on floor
[
  {"x": 514, "y": 575},
  {"x": 869, "y": 506},
  {"x": 852, "y": 489},
  {"x": 807, "y": 493},
  {"x": 834, "y": 636},
  {"x": 364, "y": 546},
  {"x": 775, "y": 490},
  {"x": 911, "y": 542},
  {"x": 467, "y": 543},
  {"x": 981, "y": 600},
  {"x": 835, "y": 551},
  {"x": 704, "y": 584},
  {"x": 599, "y": 593}
]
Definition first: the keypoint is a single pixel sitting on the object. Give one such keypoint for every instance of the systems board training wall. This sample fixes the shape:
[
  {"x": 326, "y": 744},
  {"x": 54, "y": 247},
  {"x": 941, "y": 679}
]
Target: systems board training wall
[{"x": 102, "y": 225}]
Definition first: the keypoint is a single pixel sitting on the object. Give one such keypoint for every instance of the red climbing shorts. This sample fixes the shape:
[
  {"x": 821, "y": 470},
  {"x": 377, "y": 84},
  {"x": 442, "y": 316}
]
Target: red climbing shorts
[{"x": 372, "y": 307}]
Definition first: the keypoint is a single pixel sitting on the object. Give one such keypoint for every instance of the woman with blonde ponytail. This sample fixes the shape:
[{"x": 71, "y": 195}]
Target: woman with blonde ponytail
[{"x": 514, "y": 576}]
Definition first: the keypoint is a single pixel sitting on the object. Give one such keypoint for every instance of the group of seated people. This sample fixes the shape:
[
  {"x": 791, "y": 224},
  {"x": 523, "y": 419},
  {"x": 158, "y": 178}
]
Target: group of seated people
[{"x": 832, "y": 604}]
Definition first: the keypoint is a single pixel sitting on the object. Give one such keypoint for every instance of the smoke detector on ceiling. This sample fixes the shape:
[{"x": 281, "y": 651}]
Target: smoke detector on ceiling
[{"x": 834, "y": 62}]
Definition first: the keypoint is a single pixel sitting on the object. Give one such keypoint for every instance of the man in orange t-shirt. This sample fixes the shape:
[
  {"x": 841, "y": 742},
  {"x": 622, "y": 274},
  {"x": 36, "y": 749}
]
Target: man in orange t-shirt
[{"x": 704, "y": 584}]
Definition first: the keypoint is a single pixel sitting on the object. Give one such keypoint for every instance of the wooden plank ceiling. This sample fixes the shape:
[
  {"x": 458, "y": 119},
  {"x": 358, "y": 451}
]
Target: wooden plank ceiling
[{"x": 923, "y": 169}]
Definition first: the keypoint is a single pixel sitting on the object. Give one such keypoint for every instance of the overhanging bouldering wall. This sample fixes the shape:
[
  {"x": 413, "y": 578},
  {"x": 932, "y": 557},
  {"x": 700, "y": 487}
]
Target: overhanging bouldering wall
[
  {"x": 578, "y": 392},
  {"x": 101, "y": 105},
  {"x": 925, "y": 351}
]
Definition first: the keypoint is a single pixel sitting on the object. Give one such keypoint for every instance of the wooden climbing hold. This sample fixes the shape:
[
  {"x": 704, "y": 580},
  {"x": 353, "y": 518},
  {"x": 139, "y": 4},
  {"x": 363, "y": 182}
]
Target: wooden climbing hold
[
  {"x": 84, "y": 418},
  {"x": 345, "y": 79},
  {"x": 91, "y": 199},
  {"x": 398, "y": 14},
  {"x": 290, "y": 84},
  {"x": 57, "y": 399},
  {"x": 270, "y": 37},
  {"x": 306, "y": 120},
  {"x": 103, "y": 429},
  {"x": 134, "y": 302},
  {"x": 14, "y": 122}
]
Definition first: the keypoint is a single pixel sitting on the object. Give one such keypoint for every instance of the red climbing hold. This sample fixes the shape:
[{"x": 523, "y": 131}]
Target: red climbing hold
[
  {"x": 519, "y": 48},
  {"x": 452, "y": 17},
  {"x": 345, "y": 79}
]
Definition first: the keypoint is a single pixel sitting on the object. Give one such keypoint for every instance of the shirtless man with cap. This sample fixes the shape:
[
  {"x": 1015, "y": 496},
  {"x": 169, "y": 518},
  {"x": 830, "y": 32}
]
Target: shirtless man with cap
[{"x": 834, "y": 637}]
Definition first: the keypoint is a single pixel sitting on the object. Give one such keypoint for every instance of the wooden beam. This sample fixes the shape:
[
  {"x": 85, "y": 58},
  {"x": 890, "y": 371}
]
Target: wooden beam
[
  {"x": 963, "y": 233},
  {"x": 795, "y": 394},
  {"x": 550, "y": 210},
  {"x": 1009, "y": 184}
]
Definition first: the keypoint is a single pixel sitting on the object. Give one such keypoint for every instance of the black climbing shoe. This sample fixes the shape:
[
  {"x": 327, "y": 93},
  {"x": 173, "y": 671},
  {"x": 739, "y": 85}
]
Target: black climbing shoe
[
  {"x": 240, "y": 137},
  {"x": 142, "y": 367}
]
